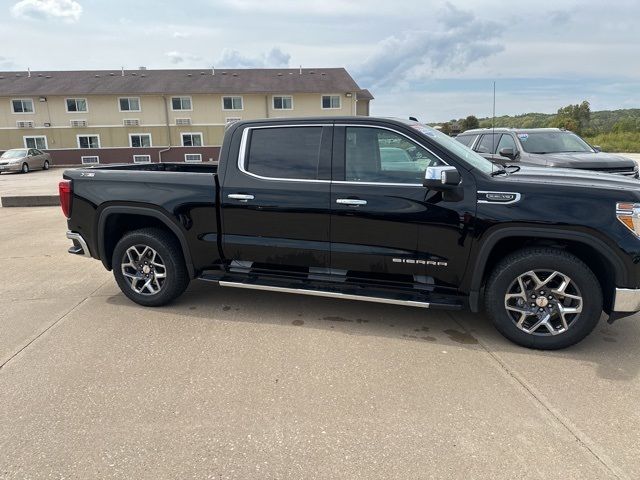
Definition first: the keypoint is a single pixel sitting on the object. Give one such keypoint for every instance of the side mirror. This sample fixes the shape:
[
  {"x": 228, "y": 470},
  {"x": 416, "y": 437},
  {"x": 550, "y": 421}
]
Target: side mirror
[
  {"x": 441, "y": 178},
  {"x": 597, "y": 148},
  {"x": 508, "y": 153}
]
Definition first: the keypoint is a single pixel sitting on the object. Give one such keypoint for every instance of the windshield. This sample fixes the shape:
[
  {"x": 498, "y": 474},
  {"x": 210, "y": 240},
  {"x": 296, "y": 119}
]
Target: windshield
[
  {"x": 14, "y": 154},
  {"x": 450, "y": 144},
  {"x": 553, "y": 142}
]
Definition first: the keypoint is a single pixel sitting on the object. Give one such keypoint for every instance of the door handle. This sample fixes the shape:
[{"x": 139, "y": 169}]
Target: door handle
[
  {"x": 243, "y": 197},
  {"x": 354, "y": 202}
]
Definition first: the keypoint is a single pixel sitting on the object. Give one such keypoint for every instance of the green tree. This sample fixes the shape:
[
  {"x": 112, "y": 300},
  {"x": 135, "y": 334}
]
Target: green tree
[
  {"x": 446, "y": 128},
  {"x": 470, "y": 122},
  {"x": 626, "y": 125},
  {"x": 573, "y": 117}
]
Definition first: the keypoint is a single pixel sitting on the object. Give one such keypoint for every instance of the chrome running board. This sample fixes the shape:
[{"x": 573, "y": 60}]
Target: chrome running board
[{"x": 324, "y": 293}]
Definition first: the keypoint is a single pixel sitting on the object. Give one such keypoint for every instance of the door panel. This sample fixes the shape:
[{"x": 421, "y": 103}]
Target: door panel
[
  {"x": 403, "y": 232},
  {"x": 279, "y": 223}
]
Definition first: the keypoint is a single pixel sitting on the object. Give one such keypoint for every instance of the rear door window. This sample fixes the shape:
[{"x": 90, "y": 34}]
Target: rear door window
[{"x": 285, "y": 152}]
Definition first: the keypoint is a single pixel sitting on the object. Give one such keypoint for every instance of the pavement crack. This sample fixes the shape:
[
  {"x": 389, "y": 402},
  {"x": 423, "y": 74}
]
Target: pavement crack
[{"x": 583, "y": 440}]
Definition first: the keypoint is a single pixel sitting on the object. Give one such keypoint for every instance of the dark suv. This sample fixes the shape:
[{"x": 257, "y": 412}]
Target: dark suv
[{"x": 544, "y": 147}]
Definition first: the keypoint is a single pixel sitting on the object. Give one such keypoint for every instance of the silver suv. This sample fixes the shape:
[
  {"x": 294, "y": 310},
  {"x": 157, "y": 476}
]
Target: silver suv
[{"x": 544, "y": 147}]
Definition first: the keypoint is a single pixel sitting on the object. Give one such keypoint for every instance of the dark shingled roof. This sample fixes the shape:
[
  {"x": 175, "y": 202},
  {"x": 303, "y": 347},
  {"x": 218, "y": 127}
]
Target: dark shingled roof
[
  {"x": 365, "y": 94},
  {"x": 140, "y": 82}
]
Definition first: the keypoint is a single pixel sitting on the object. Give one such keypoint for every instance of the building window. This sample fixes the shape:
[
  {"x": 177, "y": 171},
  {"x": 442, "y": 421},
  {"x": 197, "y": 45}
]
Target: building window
[
  {"x": 191, "y": 139},
  {"x": 22, "y": 105},
  {"x": 231, "y": 120},
  {"x": 90, "y": 160},
  {"x": 142, "y": 159},
  {"x": 283, "y": 103},
  {"x": 37, "y": 142},
  {"x": 76, "y": 105},
  {"x": 330, "y": 102},
  {"x": 181, "y": 103},
  {"x": 88, "y": 141},
  {"x": 192, "y": 157},
  {"x": 129, "y": 104},
  {"x": 137, "y": 140},
  {"x": 232, "y": 103}
]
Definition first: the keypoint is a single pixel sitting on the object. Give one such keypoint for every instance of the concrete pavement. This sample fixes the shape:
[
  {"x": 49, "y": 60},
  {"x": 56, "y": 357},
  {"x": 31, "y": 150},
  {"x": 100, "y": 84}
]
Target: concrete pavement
[{"x": 228, "y": 383}]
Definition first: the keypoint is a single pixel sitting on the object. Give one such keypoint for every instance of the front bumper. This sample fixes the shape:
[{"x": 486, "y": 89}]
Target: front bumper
[
  {"x": 11, "y": 167},
  {"x": 79, "y": 245},
  {"x": 626, "y": 300}
]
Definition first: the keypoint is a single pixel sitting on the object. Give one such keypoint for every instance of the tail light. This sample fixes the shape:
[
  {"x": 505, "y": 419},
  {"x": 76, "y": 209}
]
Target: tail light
[{"x": 65, "y": 189}]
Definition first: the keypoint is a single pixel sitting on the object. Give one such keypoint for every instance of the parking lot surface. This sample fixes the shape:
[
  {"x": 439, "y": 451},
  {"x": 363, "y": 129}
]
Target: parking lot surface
[{"x": 228, "y": 383}]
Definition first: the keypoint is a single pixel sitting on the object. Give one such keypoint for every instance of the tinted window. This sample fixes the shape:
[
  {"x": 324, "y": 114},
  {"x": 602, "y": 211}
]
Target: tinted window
[
  {"x": 506, "y": 141},
  {"x": 291, "y": 152},
  {"x": 552, "y": 142},
  {"x": 382, "y": 156},
  {"x": 488, "y": 143},
  {"x": 466, "y": 139}
]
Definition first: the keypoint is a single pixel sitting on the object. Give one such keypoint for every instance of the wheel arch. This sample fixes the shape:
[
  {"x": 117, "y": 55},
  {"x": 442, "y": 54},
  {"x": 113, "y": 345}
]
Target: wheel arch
[
  {"x": 596, "y": 254},
  {"x": 123, "y": 219}
]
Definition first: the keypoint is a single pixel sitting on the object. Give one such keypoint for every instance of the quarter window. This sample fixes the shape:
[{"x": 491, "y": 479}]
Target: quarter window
[
  {"x": 39, "y": 142},
  {"x": 181, "y": 103},
  {"x": 330, "y": 101},
  {"x": 76, "y": 105},
  {"x": 232, "y": 103},
  {"x": 88, "y": 141},
  {"x": 22, "y": 105},
  {"x": 287, "y": 152},
  {"x": 191, "y": 139},
  {"x": 129, "y": 104},
  {"x": 283, "y": 103},
  {"x": 382, "y": 156},
  {"x": 140, "y": 140}
]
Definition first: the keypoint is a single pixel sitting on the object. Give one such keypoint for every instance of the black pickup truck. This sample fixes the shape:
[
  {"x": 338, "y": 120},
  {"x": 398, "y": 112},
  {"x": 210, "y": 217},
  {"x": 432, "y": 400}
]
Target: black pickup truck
[{"x": 372, "y": 209}]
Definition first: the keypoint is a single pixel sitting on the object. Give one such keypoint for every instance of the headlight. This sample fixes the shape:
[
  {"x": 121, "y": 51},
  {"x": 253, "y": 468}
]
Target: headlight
[{"x": 629, "y": 215}]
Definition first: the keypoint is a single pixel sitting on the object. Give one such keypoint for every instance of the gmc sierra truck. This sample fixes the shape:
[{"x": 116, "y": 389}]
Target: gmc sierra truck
[{"x": 381, "y": 210}]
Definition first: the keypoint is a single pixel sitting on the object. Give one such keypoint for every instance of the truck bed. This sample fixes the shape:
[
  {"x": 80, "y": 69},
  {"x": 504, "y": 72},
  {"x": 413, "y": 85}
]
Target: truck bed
[{"x": 161, "y": 167}]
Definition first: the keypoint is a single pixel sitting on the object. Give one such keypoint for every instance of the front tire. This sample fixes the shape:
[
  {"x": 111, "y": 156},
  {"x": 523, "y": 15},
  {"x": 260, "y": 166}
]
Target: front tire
[
  {"x": 25, "y": 168},
  {"x": 543, "y": 298},
  {"x": 149, "y": 267}
]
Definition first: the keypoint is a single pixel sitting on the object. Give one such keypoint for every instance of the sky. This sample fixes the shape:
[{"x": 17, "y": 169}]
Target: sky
[{"x": 435, "y": 60}]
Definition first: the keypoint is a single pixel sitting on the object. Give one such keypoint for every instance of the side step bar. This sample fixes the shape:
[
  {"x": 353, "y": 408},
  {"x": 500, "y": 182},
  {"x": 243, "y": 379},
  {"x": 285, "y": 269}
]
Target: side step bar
[{"x": 324, "y": 293}]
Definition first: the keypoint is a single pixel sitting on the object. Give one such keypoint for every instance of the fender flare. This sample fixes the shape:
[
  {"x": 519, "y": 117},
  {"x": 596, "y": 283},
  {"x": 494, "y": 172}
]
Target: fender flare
[
  {"x": 480, "y": 264},
  {"x": 142, "y": 211}
]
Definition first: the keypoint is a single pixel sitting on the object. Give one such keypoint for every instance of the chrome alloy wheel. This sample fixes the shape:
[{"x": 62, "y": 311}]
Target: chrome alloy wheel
[
  {"x": 543, "y": 302},
  {"x": 144, "y": 269}
]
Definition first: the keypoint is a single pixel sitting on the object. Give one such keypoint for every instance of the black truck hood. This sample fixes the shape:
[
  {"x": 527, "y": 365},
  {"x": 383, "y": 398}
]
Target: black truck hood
[
  {"x": 570, "y": 177},
  {"x": 586, "y": 160}
]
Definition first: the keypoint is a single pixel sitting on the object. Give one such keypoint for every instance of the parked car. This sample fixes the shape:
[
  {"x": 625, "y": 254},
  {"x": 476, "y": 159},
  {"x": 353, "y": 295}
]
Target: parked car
[
  {"x": 544, "y": 147},
  {"x": 24, "y": 160},
  {"x": 305, "y": 206}
]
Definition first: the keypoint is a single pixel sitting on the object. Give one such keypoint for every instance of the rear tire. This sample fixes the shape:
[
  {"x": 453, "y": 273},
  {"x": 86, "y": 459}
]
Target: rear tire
[
  {"x": 45, "y": 166},
  {"x": 543, "y": 298},
  {"x": 25, "y": 168},
  {"x": 149, "y": 267}
]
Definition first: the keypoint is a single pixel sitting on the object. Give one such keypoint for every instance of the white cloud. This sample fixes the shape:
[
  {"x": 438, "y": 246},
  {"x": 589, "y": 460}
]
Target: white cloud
[
  {"x": 181, "y": 57},
  {"x": 274, "y": 58},
  {"x": 67, "y": 10},
  {"x": 416, "y": 54},
  {"x": 180, "y": 35}
]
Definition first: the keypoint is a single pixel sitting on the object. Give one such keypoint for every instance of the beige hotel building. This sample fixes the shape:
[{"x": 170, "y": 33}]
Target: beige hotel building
[{"x": 109, "y": 116}]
